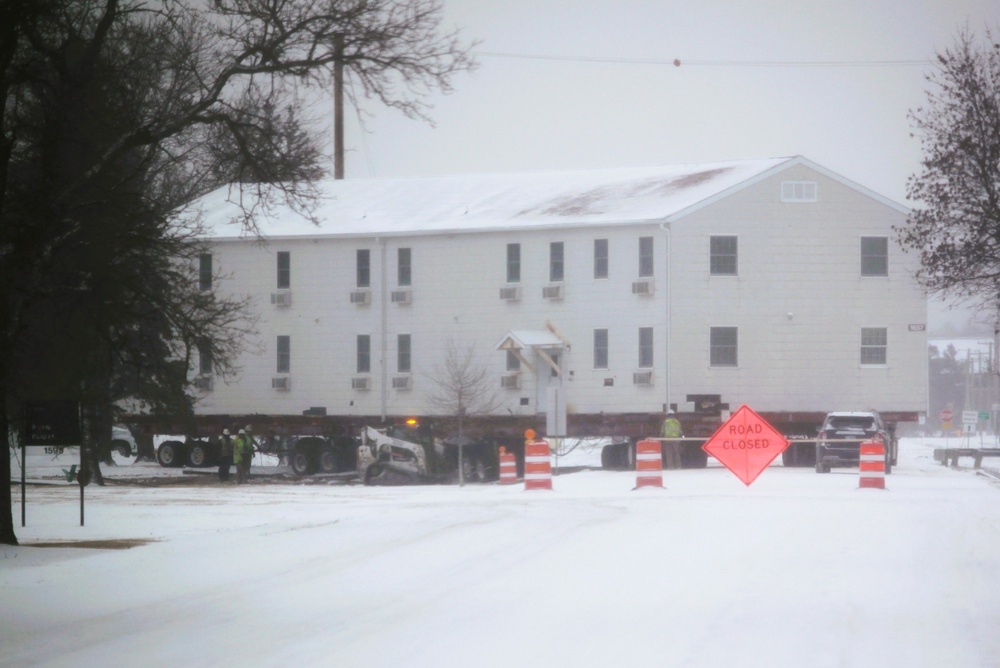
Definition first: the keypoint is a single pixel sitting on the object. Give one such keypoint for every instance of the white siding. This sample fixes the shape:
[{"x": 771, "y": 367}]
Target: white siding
[{"x": 799, "y": 302}]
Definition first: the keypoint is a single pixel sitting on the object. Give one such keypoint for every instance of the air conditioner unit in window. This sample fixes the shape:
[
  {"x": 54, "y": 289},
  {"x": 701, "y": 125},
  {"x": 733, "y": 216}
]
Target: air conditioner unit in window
[
  {"x": 510, "y": 293},
  {"x": 203, "y": 382},
  {"x": 361, "y": 297},
  {"x": 361, "y": 383},
  {"x": 643, "y": 286},
  {"x": 511, "y": 381},
  {"x": 401, "y": 382},
  {"x": 402, "y": 296},
  {"x": 553, "y": 291},
  {"x": 642, "y": 378},
  {"x": 281, "y": 383},
  {"x": 281, "y": 298}
]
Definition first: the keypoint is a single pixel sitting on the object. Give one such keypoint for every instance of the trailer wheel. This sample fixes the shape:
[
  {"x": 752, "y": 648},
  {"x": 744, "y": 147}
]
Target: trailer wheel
[
  {"x": 169, "y": 453},
  {"x": 302, "y": 462},
  {"x": 474, "y": 468},
  {"x": 197, "y": 456},
  {"x": 329, "y": 461},
  {"x": 614, "y": 457}
]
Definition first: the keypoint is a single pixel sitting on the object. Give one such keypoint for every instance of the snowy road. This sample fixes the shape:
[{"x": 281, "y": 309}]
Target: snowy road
[{"x": 797, "y": 570}]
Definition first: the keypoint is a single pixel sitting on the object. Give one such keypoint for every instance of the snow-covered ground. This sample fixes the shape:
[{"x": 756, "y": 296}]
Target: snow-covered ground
[{"x": 798, "y": 569}]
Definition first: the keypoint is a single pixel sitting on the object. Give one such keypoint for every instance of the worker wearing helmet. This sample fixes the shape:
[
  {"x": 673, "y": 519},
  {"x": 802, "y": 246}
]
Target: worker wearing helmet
[{"x": 672, "y": 426}]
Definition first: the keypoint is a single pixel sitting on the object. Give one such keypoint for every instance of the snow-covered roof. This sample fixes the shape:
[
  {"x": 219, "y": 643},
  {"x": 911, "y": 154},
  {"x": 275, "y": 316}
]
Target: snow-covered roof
[
  {"x": 517, "y": 339},
  {"x": 363, "y": 207}
]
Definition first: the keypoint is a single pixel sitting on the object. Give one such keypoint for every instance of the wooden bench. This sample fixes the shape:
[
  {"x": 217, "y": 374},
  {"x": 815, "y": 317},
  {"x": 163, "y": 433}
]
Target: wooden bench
[{"x": 950, "y": 456}]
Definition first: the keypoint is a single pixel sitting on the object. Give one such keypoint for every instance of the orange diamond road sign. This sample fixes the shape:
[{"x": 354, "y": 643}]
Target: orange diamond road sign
[{"x": 746, "y": 444}]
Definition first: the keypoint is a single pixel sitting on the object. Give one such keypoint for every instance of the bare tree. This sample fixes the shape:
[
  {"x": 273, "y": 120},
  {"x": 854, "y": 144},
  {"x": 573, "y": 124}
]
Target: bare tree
[
  {"x": 463, "y": 387},
  {"x": 115, "y": 114},
  {"x": 956, "y": 226}
]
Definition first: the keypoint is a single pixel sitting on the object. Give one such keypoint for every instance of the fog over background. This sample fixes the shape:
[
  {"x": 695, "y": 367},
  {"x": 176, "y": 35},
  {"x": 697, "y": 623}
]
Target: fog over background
[{"x": 578, "y": 84}]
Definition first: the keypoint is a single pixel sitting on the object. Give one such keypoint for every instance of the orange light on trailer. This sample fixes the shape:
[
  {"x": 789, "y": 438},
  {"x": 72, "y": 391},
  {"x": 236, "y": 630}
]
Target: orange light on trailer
[
  {"x": 411, "y": 422},
  {"x": 529, "y": 434}
]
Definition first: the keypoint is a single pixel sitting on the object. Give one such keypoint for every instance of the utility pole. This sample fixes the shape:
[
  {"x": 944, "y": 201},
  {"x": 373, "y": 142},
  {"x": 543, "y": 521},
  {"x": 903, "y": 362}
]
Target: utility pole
[{"x": 338, "y": 107}]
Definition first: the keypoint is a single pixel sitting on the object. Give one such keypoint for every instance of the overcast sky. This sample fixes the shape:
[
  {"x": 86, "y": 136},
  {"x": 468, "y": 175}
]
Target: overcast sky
[
  {"x": 735, "y": 95},
  {"x": 830, "y": 80}
]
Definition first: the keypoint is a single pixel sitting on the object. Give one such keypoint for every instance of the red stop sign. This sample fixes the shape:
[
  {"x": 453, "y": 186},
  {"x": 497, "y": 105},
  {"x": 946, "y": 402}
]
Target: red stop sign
[
  {"x": 746, "y": 444},
  {"x": 947, "y": 415}
]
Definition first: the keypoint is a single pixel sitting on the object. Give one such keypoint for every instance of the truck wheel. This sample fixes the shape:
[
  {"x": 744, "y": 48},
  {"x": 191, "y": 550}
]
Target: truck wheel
[
  {"x": 329, "y": 462},
  {"x": 197, "y": 456},
  {"x": 122, "y": 448},
  {"x": 302, "y": 463},
  {"x": 169, "y": 453}
]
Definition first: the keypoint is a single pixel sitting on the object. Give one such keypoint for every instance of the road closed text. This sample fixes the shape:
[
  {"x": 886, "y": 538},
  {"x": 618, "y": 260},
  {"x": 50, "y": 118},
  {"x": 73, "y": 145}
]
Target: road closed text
[{"x": 745, "y": 437}]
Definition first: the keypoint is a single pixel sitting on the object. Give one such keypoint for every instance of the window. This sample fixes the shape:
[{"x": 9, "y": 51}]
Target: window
[
  {"x": 874, "y": 256},
  {"x": 403, "y": 267},
  {"x": 556, "y": 261},
  {"x": 204, "y": 358},
  {"x": 723, "y": 346},
  {"x": 205, "y": 271},
  {"x": 555, "y": 360},
  {"x": 600, "y": 349},
  {"x": 284, "y": 270},
  {"x": 645, "y": 257},
  {"x": 403, "y": 353},
  {"x": 798, "y": 191},
  {"x": 364, "y": 353},
  {"x": 284, "y": 354},
  {"x": 513, "y": 361},
  {"x": 724, "y": 255},
  {"x": 600, "y": 258},
  {"x": 364, "y": 268},
  {"x": 874, "y": 344},
  {"x": 645, "y": 347},
  {"x": 513, "y": 263}
]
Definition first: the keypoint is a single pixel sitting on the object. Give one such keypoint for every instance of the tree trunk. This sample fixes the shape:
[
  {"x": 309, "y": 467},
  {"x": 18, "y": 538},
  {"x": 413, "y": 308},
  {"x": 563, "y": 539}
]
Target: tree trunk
[{"x": 7, "y": 536}]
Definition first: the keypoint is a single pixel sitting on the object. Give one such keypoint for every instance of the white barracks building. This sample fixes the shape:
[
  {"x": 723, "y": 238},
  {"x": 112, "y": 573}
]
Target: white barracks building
[{"x": 773, "y": 283}]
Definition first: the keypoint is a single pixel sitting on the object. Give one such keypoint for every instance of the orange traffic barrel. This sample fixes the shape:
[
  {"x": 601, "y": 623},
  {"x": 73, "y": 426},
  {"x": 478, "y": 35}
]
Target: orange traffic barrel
[
  {"x": 871, "y": 465},
  {"x": 648, "y": 464},
  {"x": 508, "y": 467},
  {"x": 537, "y": 465}
]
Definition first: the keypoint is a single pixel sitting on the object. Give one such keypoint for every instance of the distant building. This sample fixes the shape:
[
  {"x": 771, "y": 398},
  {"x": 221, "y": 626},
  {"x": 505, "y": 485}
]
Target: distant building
[{"x": 775, "y": 283}]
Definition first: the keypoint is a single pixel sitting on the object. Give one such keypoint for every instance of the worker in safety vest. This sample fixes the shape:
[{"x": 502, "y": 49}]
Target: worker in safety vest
[
  {"x": 239, "y": 455},
  {"x": 671, "y": 449},
  {"x": 672, "y": 426}
]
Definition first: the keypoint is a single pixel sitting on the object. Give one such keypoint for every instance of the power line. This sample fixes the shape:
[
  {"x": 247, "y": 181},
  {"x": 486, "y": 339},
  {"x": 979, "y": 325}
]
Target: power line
[{"x": 710, "y": 63}]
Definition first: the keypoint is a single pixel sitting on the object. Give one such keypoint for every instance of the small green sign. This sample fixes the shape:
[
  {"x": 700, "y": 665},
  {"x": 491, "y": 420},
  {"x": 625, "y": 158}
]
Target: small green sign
[{"x": 984, "y": 416}]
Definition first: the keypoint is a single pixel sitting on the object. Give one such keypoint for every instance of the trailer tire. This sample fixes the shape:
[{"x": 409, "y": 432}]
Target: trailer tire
[
  {"x": 615, "y": 457},
  {"x": 122, "y": 448},
  {"x": 169, "y": 453},
  {"x": 329, "y": 461},
  {"x": 302, "y": 462},
  {"x": 693, "y": 457},
  {"x": 197, "y": 456}
]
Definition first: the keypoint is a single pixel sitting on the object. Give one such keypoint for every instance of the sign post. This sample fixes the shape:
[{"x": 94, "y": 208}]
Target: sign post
[
  {"x": 49, "y": 424},
  {"x": 746, "y": 444}
]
